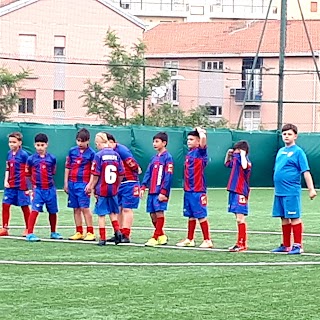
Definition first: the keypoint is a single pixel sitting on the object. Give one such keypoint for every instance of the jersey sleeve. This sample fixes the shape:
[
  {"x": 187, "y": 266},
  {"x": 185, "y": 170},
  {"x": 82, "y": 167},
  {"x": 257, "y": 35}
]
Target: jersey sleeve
[
  {"x": 96, "y": 166},
  {"x": 128, "y": 158},
  {"x": 120, "y": 167},
  {"x": 54, "y": 165},
  {"x": 168, "y": 175},
  {"x": 303, "y": 162},
  {"x": 203, "y": 153},
  {"x": 68, "y": 161},
  {"x": 29, "y": 166},
  {"x": 147, "y": 177}
]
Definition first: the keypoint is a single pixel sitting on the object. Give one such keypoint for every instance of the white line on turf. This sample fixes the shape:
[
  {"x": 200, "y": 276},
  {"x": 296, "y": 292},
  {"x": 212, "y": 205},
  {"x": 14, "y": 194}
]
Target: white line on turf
[
  {"x": 159, "y": 247},
  {"x": 181, "y": 229},
  {"x": 161, "y": 264}
]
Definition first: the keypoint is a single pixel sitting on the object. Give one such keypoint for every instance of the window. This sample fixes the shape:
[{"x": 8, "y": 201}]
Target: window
[
  {"x": 255, "y": 90},
  {"x": 214, "y": 111},
  {"x": 27, "y": 45},
  {"x": 197, "y": 10},
  {"x": 211, "y": 65},
  {"x": 314, "y": 6},
  {"x": 58, "y": 100},
  {"x": 251, "y": 120},
  {"x": 173, "y": 90},
  {"x": 59, "y": 46},
  {"x": 27, "y": 101}
]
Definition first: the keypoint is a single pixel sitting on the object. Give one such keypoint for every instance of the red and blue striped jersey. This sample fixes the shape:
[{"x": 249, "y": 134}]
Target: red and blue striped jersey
[
  {"x": 129, "y": 162},
  {"x": 108, "y": 166},
  {"x": 41, "y": 169},
  {"x": 239, "y": 177},
  {"x": 159, "y": 174},
  {"x": 79, "y": 163},
  {"x": 16, "y": 166},
  {"x": 194, "y": 165}
]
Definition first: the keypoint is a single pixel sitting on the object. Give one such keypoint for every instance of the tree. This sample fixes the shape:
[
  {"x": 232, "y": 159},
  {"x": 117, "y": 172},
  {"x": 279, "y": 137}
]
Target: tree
[
  {"x": 9, "y": 91},
  {"x": 122, "y": 89}
]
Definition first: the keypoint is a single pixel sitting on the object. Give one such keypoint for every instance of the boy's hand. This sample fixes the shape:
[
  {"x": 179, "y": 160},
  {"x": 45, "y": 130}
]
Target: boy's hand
[
  {"x": 242, "y": 153},
  {"x": 88, "y": 189},
  {"x": 162, "y": 197},
  {"x": 200, "y": 130},
  {"x": 141, "y": 193},
  {"x": 6, "y": 184},
  {"x": 312, "y": 194},
  {"x": 139, "y": 170},
  {"x": 66, "y": 189},
  {"x": 230, "y": 152}
]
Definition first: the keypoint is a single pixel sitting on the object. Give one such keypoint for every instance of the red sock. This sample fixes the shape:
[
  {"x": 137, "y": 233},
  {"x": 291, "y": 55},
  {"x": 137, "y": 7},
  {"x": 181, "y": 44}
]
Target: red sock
[
  {"x": 126, "y": 232},
  {"x": 115, "y": 225},
  {"x": 5, "y": 215},
  {"x": 286, "y": 235},
  {"x": 191, "y": 228},
  {"x": 53, "y": 222},
  {"x": 26, "y": 214},
  {"x": 32, "y": 221},
  {"x": 242, "y": 234},
  {"x": 79, "y": 229},
  {"x": 90, "y": 229},
  {"x": 205, "y": 230},
  {"x": 102, "y": 232},
  {"x": 297, "y": 233},
  {"x": 154, "y": 222},
  {"x": 159, "y": 228}
]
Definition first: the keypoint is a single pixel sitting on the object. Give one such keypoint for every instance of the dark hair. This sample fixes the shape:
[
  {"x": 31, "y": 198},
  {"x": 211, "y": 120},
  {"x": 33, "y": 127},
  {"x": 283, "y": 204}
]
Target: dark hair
[
  {"x": 242, "y": 145},
  {"x": 162, "y": 136},
  {"x": 110, "y": 137},
  {"x": 194, "y": 133},
  {"x": 16, "y": 134},
  {"x": 83, "y": 135},
  {"x": 290, "y": 126},
  {"x": 41, "y": 137}
]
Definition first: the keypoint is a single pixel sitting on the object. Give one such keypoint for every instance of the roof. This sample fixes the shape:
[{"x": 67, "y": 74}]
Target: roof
[
  {"x": 7, "y": 6},
  {"x": 231, "y": 38}
]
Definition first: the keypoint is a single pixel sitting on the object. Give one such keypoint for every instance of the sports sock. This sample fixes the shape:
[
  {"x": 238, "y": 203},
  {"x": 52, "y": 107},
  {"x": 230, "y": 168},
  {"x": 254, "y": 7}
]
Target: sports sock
[
  {"x": 79, "y": 229},
  {"x": 26, "y": 214},
  {"x": 102, "y": 232},
  {"x": 53, "y": 222},
  {"x": 5, "y": 215},
  {"x": 32, "y": 221},
  {"x": 286, "y": 234},
  {"x": 115, "y": 225},
  {"x": 154, "y": 222},
  {"x": 297, "y": 233},
  {"x": 242, "y": 234},
  {"x": 126, "y": 232},
  {"x": 191, "y": 228},
  {"x": 90, "y": 230},
  {"x": 205, "y": 230},
  {"x": 159, "y": 228}
]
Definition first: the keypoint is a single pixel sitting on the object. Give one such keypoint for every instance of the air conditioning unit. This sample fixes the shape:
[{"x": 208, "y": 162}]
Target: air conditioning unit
[
  {"x": 125, "y": 5},
  {"x": 233, "y": 91}
]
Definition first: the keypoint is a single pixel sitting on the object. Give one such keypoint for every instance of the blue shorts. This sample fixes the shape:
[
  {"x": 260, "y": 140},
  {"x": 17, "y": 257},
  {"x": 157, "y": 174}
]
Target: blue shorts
[
  {"x": 47, "y": 197},
  {"x": 238, "y": 203},
  {"x": 195, "y": 205},
  {"x": 16, "y": 197},
  {"x": 106, "y": 205},
  {"x": 77, "y": 197},
  {"x": 128, "y": 195},
  {"x": 154, "y": 205},
  {"x": 288, "y": 207}
]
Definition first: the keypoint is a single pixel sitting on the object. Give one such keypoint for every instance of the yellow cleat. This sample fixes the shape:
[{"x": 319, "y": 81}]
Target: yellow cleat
[
  {"x": 206, "y": 244},
  {"x": 77, "y": 236},
  {"x": 89, "y": 237},
  {"x": 186, "y": 243},
  {"x": 152, "y": 242},
  {"x": 162, "y": 240}
]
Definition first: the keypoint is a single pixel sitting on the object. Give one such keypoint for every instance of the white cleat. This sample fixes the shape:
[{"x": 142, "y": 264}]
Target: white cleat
[
  {"x": 186, "y": 243},
  {"x": 206, "y": 244}
]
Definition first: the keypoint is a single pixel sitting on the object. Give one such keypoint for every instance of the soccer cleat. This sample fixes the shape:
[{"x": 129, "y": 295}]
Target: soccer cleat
[
  {"x": 152, "y": 243},
  {"x": 162, "y": 240},
  {"x": 89, "y": 237},
  {"x": 56, "y": 236},
  {"x": 296, "y": 249},
  {"x": 4, "y": 232},
  {"x": 117, "y": 237},
  {"x": 77, "y": 236},
  {"x": 31, "y": 237},
  {"x": 25, "y": 232},
  {"x": 186, "y": 243},
  {"x": 281, "y": 248},
  {"x": 237, "y": 248},
  {"x": 206, "y": 244},
  {"x": 125, "y": 239},
  {"x": 112, "y": 239},
  {"x": 102, "y": 243}
]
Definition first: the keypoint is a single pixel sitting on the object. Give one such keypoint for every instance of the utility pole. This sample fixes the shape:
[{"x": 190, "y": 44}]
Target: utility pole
[
  {"x": 282, "y": 51},
  {"x": 144, "y": 95}
]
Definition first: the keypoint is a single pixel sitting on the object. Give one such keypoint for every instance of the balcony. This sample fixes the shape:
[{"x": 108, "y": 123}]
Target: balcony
[{"x": 254, "y": 97}]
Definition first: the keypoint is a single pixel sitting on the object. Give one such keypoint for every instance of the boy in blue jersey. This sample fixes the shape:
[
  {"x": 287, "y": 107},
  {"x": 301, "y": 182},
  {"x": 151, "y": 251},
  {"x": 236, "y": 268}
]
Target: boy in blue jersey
[
  {"x": 158, "y": 178},
  {"x": 106, "y": 174},
  {"x": 195, "y": 189},
  {"x": 76, "y": 177},
  {"x": 15, "y": 183},
  {"x": 238, "y": 187},
  {"x": 41, "y": 167},
  {"x": 129, "y": 189},
  {"x": 291, "y": 162}
]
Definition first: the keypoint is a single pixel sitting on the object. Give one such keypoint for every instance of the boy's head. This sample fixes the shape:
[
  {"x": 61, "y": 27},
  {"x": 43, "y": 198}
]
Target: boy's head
[
  {"x": 160, "y": 141},
  {"x": 15, "y": 140},
  {"x": 289, "y": 134},
  {"x": 193, "y": 139},
  {"x": 241, "y": 145},
  {"x": 111, "y": 139},
  {"x": 83, "y": 138},
  {"x": 101, "y": 140},
  {"x": 41, "y": 143}
]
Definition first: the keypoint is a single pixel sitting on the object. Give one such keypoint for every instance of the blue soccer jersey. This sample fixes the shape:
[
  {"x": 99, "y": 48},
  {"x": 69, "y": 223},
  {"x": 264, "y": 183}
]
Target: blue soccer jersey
[{"x": 290, "y": 163}]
